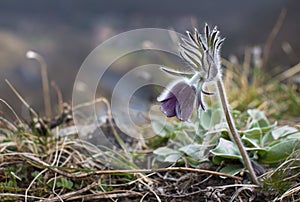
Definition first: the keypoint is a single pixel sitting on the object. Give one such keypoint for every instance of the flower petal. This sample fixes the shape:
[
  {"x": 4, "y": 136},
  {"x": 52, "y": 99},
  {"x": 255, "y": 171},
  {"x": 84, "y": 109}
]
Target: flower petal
[
  {"x": 171, "y": 90},
  {"x": 178, "y": 100},
  {"x": 186, "y": 99},
  {"x": 168, "y": 107}
]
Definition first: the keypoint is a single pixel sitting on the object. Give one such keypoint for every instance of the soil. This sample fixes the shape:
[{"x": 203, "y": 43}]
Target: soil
[{"x": 186, "y": 186}]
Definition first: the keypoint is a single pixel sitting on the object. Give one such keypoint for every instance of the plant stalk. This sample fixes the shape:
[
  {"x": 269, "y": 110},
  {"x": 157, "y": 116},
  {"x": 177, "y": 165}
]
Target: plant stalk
[{"x": 233, "y": 130}]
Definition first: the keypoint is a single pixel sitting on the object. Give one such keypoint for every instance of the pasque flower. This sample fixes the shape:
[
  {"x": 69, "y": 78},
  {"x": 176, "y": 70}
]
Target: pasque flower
[
  {"x": 178, "y": 100},
  {"x": 204, "y": 64},
  {"x": 201, "y": 53}
]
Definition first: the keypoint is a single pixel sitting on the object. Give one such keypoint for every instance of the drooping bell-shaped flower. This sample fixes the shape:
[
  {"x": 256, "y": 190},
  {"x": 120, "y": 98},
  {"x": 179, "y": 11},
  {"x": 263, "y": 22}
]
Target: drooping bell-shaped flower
[
  {"x": 202, "y": 54},
  {"x": 178, "y": 100}
]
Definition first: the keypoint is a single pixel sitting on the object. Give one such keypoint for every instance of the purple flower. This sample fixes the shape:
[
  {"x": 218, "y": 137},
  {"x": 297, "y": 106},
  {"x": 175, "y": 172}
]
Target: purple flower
[
  {"x": 178, "y": 100},
  {"x": 202, "y": 55}
]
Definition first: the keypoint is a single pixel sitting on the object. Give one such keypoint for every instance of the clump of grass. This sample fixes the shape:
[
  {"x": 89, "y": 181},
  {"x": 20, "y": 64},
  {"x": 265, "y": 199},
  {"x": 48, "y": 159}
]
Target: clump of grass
[
  {"x": 38, "y": 163},
  {"x": 37, "y": 166},
  {"x": 250, "y": 86},
  {"x": 283, "y": 182}
]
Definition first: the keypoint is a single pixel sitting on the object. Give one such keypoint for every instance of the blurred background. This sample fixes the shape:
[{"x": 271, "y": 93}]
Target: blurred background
[{"x": 65, "y": 32}]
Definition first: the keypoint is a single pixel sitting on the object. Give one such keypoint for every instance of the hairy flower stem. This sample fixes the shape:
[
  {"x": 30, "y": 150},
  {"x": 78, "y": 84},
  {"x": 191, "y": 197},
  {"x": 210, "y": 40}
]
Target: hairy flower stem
[{"x": 233, "y": 130}]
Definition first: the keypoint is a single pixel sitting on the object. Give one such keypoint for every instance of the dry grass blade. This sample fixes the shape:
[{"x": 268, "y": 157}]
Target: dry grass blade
[
  {"x": 288, "y": 73},
  {"x": 289, "y": 194},
  {"x": 15, "y": 196},
  {"x": 59, "y": 95},
  {"x": 107, "y": 172},
  {"x": 106, "y": 195},
  {"x": 32, "y": 182},
  {"x": 45, "y": 80},
  {"x": 21, "y": 98},
  {"x": 13, "y": 111},
  {"x": 272, "y": 36},
  {"x": 72, "y": 194}
]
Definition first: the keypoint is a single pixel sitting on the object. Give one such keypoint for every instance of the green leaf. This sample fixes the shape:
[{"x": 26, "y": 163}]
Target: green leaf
[
  {"x": 280, "y": 151},
  {"x": 259, "y": 130},
  {"x": 35, "y": 173},
  {"x": 256, "y": 136},
  {"x": 294, "y": 135},
  {"x": 161, "y": 127},
  {"x": 226, "y": 149},
  {"x": 267, "y": 139},
  {"x": 205, "y": 119},
  {"x": 217, "y": 160},
  {"x": 252, "y": 132},
  {"x": 283, "y": 131},
  {"x": 193, "y": 150},
  {"x": 173, "y": 158},
  {"x": 255, "y": 149},
  {"x": 258, "y": 119},
  {"x": 217, "y": 117},
  {"x": 181, "y": 137},
  {"x": 232, "y": 169},
  {"x": 209, "y": 118},
  {"x": 253, "y": 142},
  {"x": 67, "y": 183},
  {"x": 164, "y": 151},
  {"x": 195, "y": 162},
  {"x": 165, "y": 154}
]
